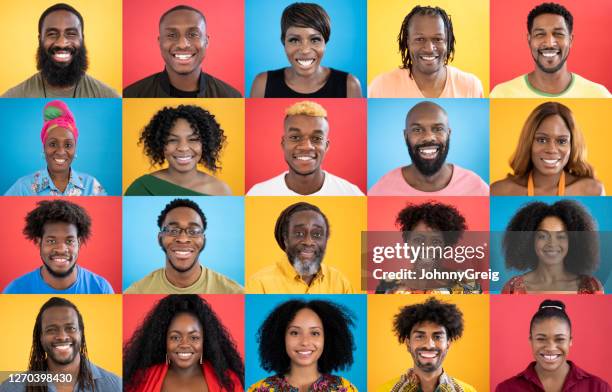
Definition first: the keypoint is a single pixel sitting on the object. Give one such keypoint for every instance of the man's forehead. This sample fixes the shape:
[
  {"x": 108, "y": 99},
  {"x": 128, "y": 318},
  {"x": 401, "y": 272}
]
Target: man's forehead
[
  {"x": 183, "y": 213},
  {"x": 549, "y": 21},
  {"x": 306, "y": 123},
  {"x": 300, "y": 218},
  {"x": 61, "y": 17},
  {"x": 428, "y": 326},
  {"x": 183, "y": 18},
  {"x": 59, "y": 314},
  {"x": 426, "y": 113}
]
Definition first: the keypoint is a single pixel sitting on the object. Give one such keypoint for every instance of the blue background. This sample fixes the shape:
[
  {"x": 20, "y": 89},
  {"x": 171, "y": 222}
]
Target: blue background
[
  {"x": 258, "y": 307},
  {"x": 224, "y": 251},
  {"x": 98, "y": 147},
  {"x": 503, "y": 209},
  {"x": 468, "y": 119},
  {"x": 346, "y": 49}
]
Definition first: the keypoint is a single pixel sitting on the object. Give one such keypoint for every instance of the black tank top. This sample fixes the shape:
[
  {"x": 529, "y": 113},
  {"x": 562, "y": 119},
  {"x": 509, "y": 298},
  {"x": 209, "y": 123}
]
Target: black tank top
[{"x": 335, "y": 87}]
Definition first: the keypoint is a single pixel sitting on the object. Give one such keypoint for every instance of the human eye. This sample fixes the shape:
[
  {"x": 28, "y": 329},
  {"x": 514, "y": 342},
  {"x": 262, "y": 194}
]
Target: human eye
[
  {"x": 194, "y": 232},
  {"x": 70, "y": 241},
  {"x": 195, "y": 338},
  {"x": 541, "y": 140},
  {"x": 293, "y": 40},
  {"x": 317, "y": 234},
  {"x": 71, "y": 329},
  {"x": 50, "y": 241},
  {"x": 417, "y": 130},
  {"x": 316, "y": 333},
  {"x": 194, "y": 34},
  {"x": 316, "y": 40},
  {"x": 563, "y": 141},
  {"x": 419, "y": 39},
  {"x": 172, "y": 140},
  {"x": 294, "y": 138},
  {"x": 194, "y": 139},
  {"x": 317, "y": 139},
  {"x": 175, "y": 338},
  {"x": 298, "y": 234},
  {"x": 68, "y": 145}
]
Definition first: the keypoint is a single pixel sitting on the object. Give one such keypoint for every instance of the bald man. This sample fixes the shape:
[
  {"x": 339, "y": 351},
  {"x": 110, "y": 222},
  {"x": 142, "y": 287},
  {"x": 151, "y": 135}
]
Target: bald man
[{"x": 427, "y": 136}]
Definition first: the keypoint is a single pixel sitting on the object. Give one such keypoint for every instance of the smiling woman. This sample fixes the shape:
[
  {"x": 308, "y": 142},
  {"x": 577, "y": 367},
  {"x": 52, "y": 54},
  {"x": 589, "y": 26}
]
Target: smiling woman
[
  {"x": 550, "y": 158},
  {"x": 59, "y": 136},
  {"x": 184, "y": 136},
  {"x": 305, "y": 30}
]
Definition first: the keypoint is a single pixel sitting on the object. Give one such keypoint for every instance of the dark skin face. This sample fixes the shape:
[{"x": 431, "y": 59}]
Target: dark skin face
[
  {"x": 61, "y": 336},
  {"x": 61, "y": 34},
  {"x": 59, "y": 251},
  {"x": 306, "y": 241},
  {"x": 60, "y": 148},
  {"x": 427, "y": 44},
  {"x": 550, "y": 42}
]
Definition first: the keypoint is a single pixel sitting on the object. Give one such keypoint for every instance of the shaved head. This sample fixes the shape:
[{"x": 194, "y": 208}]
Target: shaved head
[{"x": 425, "y": 107}]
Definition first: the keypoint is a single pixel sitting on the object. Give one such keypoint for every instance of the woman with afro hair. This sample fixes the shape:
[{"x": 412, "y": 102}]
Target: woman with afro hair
[
  {"x": 184, "y": 137},
  {"x": 302, "y": 342},
  {"x": 182, "y": 346}
]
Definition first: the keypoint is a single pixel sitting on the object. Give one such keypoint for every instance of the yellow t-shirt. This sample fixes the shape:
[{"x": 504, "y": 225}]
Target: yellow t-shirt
[
  {"x": 281, "y": 278},
  {"x": 521, "y": 88},
  {"x": 209, "y": 282}
]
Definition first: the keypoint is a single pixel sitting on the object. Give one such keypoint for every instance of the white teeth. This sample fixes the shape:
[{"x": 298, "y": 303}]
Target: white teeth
[
  {"x": 551, "y": 161},
  {"x": 306, "y": 63},
  {"x": 304, "y": 158},
  {"x": 305, "y": 352},
  {"x": 184, "y": 355},
  {"x": 428, "y": 355},
  {"x": 182, "y": 252},
  {"x": 184, "y": 159},
  {"x": 428, "y": 58},
  {"x": 183, "y": 56},
  {"x": 549, "y": 54},
  {"x": 551, "y": 357},
  {"x": 60, "y": 160},
  {"x": 62, "y": 55},
  {"x": 428, "y": 150}
]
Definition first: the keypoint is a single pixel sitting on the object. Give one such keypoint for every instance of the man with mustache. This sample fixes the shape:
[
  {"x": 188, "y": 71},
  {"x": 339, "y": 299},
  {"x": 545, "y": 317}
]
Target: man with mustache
[
  {"x": 428, "y": 329},
  {"x": 550, "y": 37},
  {"x": 301, "y": 231},
  {"x": 61, "y": 60},
  {"x": 59, "y": 347},
  {"x": 58, "y": 228},
  {"x": 182, "y": 225},
  {"x": 427, "y": 136}
]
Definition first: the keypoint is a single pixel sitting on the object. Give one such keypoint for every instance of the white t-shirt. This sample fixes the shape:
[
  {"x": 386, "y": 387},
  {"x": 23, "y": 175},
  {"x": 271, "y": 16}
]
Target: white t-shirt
[{"x": 332, "y": 186}]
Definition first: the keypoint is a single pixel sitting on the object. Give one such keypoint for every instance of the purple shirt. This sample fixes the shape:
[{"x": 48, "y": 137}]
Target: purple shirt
[{"x": 577, "y": 380}]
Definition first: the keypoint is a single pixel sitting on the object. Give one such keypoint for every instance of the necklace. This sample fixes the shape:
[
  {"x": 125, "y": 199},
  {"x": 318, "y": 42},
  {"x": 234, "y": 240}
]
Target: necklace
[{"x": 73, "y": 93}]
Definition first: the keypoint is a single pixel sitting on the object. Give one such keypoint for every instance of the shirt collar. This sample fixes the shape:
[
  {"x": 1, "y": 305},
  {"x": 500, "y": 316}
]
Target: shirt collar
[
  {"x": 165, "y": 83},
  {"x": 290, "y": 273},
  {"x": 411, "y": 381},
  {"x": 575, "y": 374},
  {"x": 43, "y": 181}
]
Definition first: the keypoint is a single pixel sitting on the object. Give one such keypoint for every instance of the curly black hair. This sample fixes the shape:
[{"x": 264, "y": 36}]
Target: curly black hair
[
  {"x": 38, "y": 356},
  {"x": 309, "y": 15},
  {"x": 438, "y": 216},
  {"x": 147, "y": 346},
  {"x": 155, "y": 135},
  {"x": 337, "y": 349},
  {"x": 550, "y": 8},
  {"x": 518, "y": 242},
  {"x": 176, "y": 203},
  {"x": 53, "y": 211},
  {"x": 442, "y": 313},
  {"x": 281, "y": 230},
  {"x": 550, "y": 309},
  {"x": 403, "y": 39}
]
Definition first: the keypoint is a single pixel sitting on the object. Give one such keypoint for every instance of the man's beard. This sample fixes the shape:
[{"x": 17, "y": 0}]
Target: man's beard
[
  {"x": 59, "y": 274},
  {"x": 308, "y": 268},
  {"x": 428, "y": 167},
  {"x": 553, "y": 69},
  {"x": 61, "y": 75}
]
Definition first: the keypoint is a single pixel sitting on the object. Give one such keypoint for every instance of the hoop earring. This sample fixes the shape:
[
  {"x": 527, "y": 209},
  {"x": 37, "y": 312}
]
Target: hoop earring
[
  {"x": 167, "y": 360},
  {"x": 201, "y": 359}
]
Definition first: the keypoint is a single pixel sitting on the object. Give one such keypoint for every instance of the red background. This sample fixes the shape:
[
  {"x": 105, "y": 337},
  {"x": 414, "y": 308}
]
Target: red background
[
  {"x": 225, "y": 26},
  {"x": 229, "y": 309},
  {"x": 591, "y": 52},
  {"x": 346, "y": 156},
  {"x": 591, "y": 317},
  {"x": 382, "y": 210},
  {"x": 101, "y": 254}
]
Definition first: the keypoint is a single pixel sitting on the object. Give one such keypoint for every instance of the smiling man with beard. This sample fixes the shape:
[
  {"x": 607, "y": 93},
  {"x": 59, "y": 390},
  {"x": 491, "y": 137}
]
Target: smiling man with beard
[
  {"x": 59, "y": 347},
  {"x": 61, "y": 60},
  {"x": 550, "y": 37},
  {"x": 301, "y": 231},
  {"x": 427, "y": 136},
  {"x": 305, "y": 142},
  {"x": 181, "y": 236},
  {"x": 427, "y": 330},
  {"x": 58, "y": 228},
  {"x": 183, "y": 42}
]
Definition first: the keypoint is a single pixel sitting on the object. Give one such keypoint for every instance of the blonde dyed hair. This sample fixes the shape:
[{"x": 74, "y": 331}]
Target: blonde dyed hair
[
  {"x": 306, "y": 108},
  {"x": 521, "y": 158}
]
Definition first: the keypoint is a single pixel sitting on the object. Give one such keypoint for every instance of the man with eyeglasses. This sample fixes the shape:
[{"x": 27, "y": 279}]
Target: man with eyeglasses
[{"x": 181, "y": 236}]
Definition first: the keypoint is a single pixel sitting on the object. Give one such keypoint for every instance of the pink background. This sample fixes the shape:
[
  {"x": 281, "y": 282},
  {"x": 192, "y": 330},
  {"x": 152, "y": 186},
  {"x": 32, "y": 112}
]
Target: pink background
[
  {"x": 346, "y": 156},
  {"x": 225, "y": 26}
]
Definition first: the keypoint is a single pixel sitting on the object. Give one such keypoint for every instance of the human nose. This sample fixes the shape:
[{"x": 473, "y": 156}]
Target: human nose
[
  {"x": 430, "y": 45},
  {"x": 184, "y": 41},
  {"x": 551, "y": 40}
]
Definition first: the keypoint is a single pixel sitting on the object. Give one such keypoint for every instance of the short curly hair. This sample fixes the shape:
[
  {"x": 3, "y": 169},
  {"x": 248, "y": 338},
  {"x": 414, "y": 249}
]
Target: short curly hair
[
  {"x": 281, "y": 229},
  {"x": 53, "y": 211},
  {"x": 338, "y": 347},
  {"x": 518, "y": 241},
  {"x": 550, "y": 8},
  {"x": 434, "y": 311},
  {"x": 438, "y": 216},
  {"x": 154, "y": 136},
  {"x": 176, "y": 203}
]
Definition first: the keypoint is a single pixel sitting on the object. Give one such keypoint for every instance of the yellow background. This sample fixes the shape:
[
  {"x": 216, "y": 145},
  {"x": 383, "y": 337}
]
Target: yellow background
[
  {"x": 347, "y": 218},
  {"x": 229, "y": 113},
  {"x": 509, "y": 115},
  {"x": 102, "y": 36},
  {"x": 467, "y": 358},
  {"x": 470, "y": 24},
  {"x": 102, "y": 316}
]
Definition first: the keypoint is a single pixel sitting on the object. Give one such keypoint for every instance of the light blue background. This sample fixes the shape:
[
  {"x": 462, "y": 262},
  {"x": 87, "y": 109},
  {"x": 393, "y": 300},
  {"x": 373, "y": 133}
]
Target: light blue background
[
  {"x": 258, "y": 307},
  {"x": 468, "y": 119},
  {"x": 346, "y": 49},
  {"x": 98, "y": 146},
  {"x": 503, "y": 209},
  {"x": 224, "y": 251}
]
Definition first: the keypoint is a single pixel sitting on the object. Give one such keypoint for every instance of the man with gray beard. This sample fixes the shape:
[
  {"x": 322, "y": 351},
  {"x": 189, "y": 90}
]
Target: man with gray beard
[{"x": 301, "y": 231}]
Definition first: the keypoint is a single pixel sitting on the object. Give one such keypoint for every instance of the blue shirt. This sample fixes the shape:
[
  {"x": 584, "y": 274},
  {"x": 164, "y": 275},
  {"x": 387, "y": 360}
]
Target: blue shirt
[
  {"x": 40, "y": 184},
  {"x": 86, "y": 283},
  {"x": 103, "y": 381}
]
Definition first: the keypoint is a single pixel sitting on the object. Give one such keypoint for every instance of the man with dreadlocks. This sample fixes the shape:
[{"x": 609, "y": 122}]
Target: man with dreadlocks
[
  {"x": 58, "y": 346},
  {"x": 301, "y": 231},
  {"x": 427, "y": 44}
]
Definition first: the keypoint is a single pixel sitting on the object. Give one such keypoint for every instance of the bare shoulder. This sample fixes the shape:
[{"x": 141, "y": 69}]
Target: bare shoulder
[
  {"x": 507, "y": 187},
  {"x": 353, "y": 87},
  {"x": 258, "y": 89},
  {"x": 213, "y": 186},
  {"x": 587, "y": 187}
]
